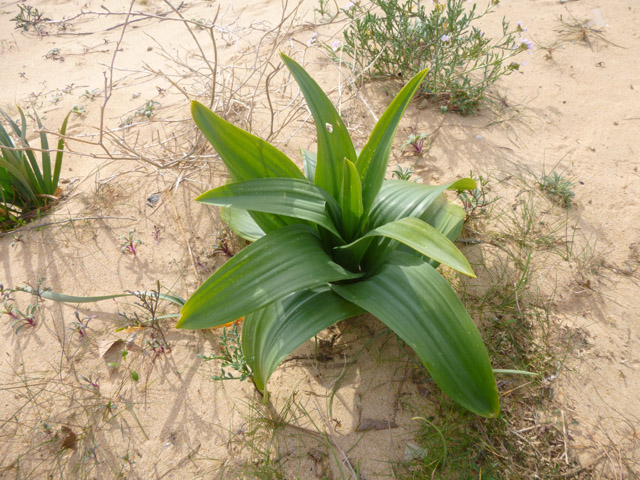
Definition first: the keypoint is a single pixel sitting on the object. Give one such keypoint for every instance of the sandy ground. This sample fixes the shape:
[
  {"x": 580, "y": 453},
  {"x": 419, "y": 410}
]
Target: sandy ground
[{"x": 573, "y": 108}]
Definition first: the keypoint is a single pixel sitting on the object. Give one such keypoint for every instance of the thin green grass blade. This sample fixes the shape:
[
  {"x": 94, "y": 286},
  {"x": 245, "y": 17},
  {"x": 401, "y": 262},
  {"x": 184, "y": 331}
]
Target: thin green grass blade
[
  {"x": 272, "y": 333},
  {"x": 414, "y": 301},
  {"x": 334, "y": 142},
  {"x": 276, "y": 265},
  {"x": 372, "y": 162}
]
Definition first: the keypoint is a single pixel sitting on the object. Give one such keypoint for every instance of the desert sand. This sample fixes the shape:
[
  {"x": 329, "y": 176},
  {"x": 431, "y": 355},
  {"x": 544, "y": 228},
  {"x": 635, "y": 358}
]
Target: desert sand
[{"x": 135, "y": 162}]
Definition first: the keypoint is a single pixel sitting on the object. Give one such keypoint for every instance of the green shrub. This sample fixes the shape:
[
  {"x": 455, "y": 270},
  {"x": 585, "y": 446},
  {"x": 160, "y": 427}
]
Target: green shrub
[
  {"x": 398, "y": 38},
  {"x": 336, "y": 244},
  {"x": 25, "y": 185}
]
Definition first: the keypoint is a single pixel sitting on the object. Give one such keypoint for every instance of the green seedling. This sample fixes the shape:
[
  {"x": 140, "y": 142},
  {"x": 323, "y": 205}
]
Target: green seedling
[
  {"x": 80, "y": 325},
  {"x": 415, "y": 142},
  {"x": 148, "y": 109},
  {"x": 402, "y": 174},
  {"x": 29, "y": 17},
  {"x": 475, "y": 202},
  {"x": 231, "y": 356},
  {"x": 558, "y": 188},
  {"x": 90, "y": 94},
  {"x": 337, "y": 243},
  {"x": 78, "y": 110},
  {"x": 129, "y": 243}
]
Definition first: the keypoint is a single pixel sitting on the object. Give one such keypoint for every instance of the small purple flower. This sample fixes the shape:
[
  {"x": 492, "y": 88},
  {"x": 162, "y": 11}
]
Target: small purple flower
[
  {"x": 445, "y": 38},
  {"x": 349, "y": 6},
  {"x": 521, "y": 27},
  {"x": 526, "y": 44},
  {"x": 313, "y": 39},
  {"x": 335, "y": 45}
]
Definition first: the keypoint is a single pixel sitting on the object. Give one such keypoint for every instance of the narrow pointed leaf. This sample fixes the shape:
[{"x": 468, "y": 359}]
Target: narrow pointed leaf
[
  {"x": 58, "y": 165},
  {"x": 414, "y": 301},
  {"x": 423, "y": 238},
  {"x": 351, "y": 200},
  {"x": 372, "y": 162},
  {"x": 282, "y": 196},
  {"x": 272, "y": 333},
  {"x": 286, "y": 260},
  {"x": 46, "y": 160},
  {"x": 60, "y": 297},
  {"x": 334, "y": 142}
]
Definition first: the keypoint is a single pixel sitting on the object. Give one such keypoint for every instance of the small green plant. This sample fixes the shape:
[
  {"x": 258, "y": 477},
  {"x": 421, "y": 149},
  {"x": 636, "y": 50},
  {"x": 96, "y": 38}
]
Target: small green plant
[
  {"x": 90, "y": 94},
  {"x": 337, "y": 243},
  {"x": 29, "y": 17},
  {"x": 78, "y": 110},
  {"x": 19, "y": 320},
  {"x": 415, "y": 142},
  {"x": 475, "y": 202},
  {"x": 25, "y": 185},
  {"x": 129, "y": 243},
  {"x": 401, "y": 173},
  {"x": 231, "y": 356},
  {"x": 148, "y": 109},
  {"x": 398, "y": 38},
  {"x": 558, "y": 188}
]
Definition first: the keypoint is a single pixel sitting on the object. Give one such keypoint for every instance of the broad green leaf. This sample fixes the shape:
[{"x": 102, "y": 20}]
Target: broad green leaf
[
  {"x": 273, "y": 332},
  {"x": 399, "y": 198},
  {"x": 334, "y": 142},
  {"x": 282, "y": 196},
  {"x": 280, "y": 263},
  {"x": 421, "y": 237},
  {"x": 372, "y": 162},
  {"x": 241, "y": 223},
  {"x": 414, "y": 301},
  {"x": 246, "y": 156},
  {"x": 351, "y": 200},
  {"x": 309, "y": 159}
]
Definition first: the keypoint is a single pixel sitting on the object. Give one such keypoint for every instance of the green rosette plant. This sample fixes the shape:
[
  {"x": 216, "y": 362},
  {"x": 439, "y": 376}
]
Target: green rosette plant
[
  {"x": 25, "y": 183},
  {"x": 335, "y": 242}
]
